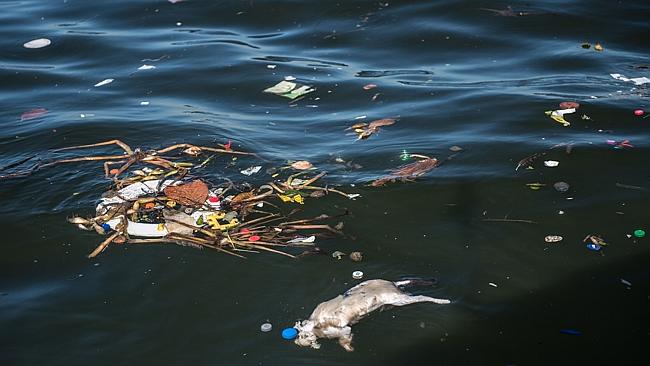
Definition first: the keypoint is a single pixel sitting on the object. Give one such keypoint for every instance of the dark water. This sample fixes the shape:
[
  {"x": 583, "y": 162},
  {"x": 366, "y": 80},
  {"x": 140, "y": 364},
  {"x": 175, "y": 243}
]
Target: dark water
[{"x": 452, "y": 73}]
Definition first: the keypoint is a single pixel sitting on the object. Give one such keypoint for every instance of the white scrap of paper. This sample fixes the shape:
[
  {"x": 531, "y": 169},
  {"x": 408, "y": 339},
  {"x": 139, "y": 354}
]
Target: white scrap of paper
[
  {"x": 104, "y": 82},
  {"x": 551, "y": 163},
  {"x": 252, "y": 170},
  {"x": 282, "y": 87},
  {"x": 146, "y": 67},
  {"x": 636, "y": 81},
  {"x": 310, "y": 239},
  {"x": 562, "y": 112}
]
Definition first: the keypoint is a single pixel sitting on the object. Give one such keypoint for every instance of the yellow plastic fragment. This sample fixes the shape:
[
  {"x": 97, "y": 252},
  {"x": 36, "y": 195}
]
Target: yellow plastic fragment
[
  {"x": 285, "y": 198},
  {"x": 295, "y": 198},
  {"x": 558, "y": 118},
  {"x": 535, "y": 186},
  {"x": 213, "y": 220}
]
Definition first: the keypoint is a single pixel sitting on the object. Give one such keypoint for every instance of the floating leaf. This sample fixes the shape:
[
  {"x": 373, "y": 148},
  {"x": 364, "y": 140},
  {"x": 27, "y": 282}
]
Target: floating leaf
[
  {"x": 302, "y": 165},
  {"x": 527, "y": 161},
  {"x": 191, "y": 194},
  {"x": 381, "y": 122},
  {"x": 408, "y": 171}
]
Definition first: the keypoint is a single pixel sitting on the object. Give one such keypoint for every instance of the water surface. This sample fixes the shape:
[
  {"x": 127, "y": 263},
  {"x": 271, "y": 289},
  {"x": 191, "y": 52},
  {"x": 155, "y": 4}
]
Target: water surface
[{"x": 451, "y": 72}]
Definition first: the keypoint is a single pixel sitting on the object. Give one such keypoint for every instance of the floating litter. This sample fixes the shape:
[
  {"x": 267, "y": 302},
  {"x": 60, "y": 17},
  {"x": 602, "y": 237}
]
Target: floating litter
[
  {"x": 266, "y": 327},
  {"x": 561, "y": 186},
  {"x": 104, "y": 82},
  {"x": 639, "y": 233},
  {"x": 551, "y": 163},
  {"x": 626, "y": 282},
  {"x": 289, "y": 333},
  {"x": 594, "y": 247},
  {"x": 357, "y": 275},
  {"x": 38, "y": 43},
  {"x": 288, "y": 89},
  {"x": 552, "y": 238}
]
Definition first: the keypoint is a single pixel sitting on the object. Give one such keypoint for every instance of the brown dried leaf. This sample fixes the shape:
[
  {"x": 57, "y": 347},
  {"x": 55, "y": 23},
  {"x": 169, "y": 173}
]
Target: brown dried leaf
[
  {"x": 317, "y": 194},
  {"x": 381, "y": 122},
  {"x": 408, "y": 171},
  {"x": 367, "y": 133},
  {"x": 302, "y": 165},
  {"x": 415, "y": 169},
  {"x": 357, "y": 126},
  {"x": 191, "y": 194},
  {"x": 242, "y": 196}
]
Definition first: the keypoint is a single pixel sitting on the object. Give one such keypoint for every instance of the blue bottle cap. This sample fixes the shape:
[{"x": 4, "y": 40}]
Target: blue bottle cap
[
  {"x": 594, "y": 247},
  {"x": 106, "y": 227},
  {"x": 289, "y": 333}
]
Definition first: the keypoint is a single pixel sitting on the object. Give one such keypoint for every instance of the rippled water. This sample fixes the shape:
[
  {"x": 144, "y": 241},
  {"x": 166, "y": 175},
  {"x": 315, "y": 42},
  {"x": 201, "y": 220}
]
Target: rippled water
[{"x": 451, "y": 72}]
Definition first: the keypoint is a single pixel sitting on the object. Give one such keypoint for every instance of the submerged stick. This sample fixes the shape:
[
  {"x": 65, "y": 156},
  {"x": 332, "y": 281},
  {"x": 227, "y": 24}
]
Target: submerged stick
[
  {"x": 511, "y": 220},
  {"x": 100, "y": 248}
]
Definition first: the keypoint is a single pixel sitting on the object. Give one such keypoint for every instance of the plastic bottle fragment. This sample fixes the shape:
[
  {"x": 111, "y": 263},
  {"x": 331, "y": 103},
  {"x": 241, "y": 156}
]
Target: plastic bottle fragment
[
  {"x": 594, "y": 247},
  {"x": 561, "y": 186},
  {"x": 553, "y": 238},
  {"x": 103, "y": 82},
  {"x": 558, "y": 115},
  {"x": 289, "y": 333},
  {"x": 38, "y": 43},
  {"x": 252, "y": 170},
  {"x": 636, "y": 81}
]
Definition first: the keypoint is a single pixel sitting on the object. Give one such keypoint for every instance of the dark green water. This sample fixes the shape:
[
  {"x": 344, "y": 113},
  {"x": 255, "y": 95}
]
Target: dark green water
[{"x": 452, "y": 73}]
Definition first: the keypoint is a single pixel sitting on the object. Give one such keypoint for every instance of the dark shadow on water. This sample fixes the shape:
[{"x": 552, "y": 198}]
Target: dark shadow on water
[{"x": 592, "y": 318}]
